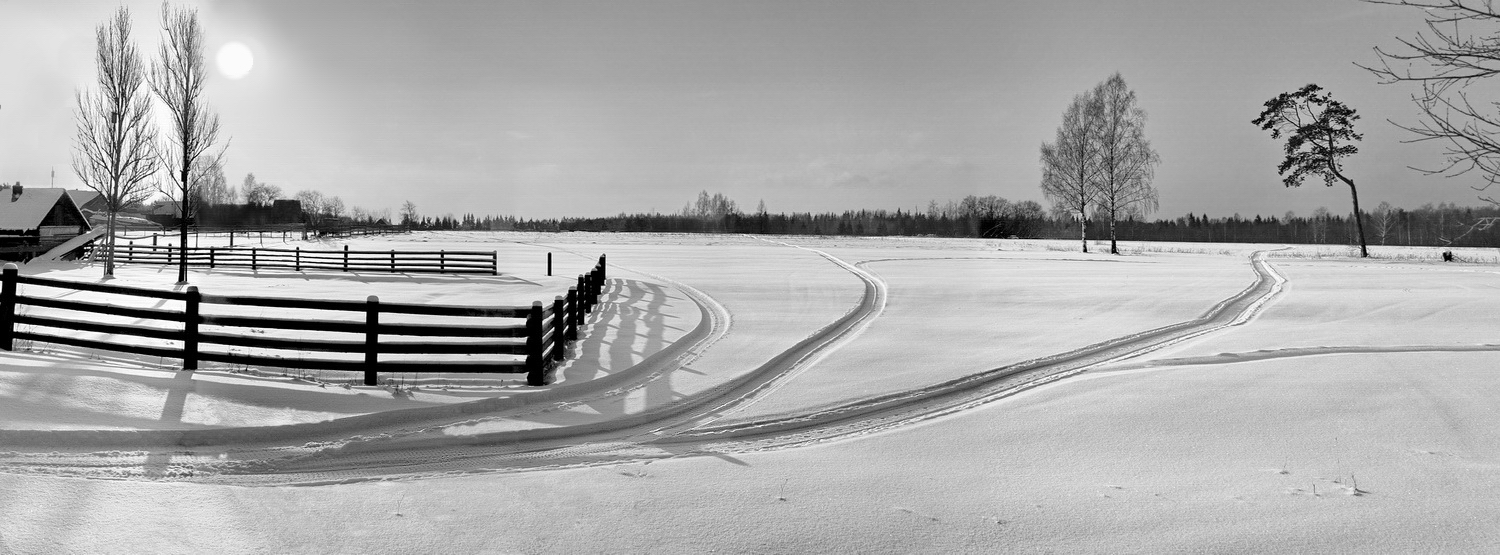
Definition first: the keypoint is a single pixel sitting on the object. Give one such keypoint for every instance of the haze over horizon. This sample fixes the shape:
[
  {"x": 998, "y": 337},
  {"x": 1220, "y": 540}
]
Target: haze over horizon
[{"x": 547, "y": 109}]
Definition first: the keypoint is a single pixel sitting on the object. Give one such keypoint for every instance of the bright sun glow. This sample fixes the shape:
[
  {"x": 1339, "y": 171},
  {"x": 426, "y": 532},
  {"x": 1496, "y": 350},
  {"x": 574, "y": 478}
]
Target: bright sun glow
[{"x": 235, "y": 60}]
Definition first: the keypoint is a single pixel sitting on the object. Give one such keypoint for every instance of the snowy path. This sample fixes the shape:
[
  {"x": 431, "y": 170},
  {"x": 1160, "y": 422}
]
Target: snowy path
[{"x": 672, "y": 429}]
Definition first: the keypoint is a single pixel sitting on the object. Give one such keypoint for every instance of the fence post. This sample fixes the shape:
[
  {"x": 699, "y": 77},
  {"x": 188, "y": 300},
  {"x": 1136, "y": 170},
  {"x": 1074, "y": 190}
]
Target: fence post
[
  {"x": 534, "y": 362},
  {"x": 346, "y": 258},
  {"x": 393, "y": 261},
  {"x": 549, "y": 264},
  {"x": 603, "y": 273},
  {"x": 592, "y": 279},
  {"x": 372, "y": 337},
  {"x": 573, "y": 314},
  {"x": 583, "y": 297},
  {"x": 494, "y": 263},
  {"x": 190, "y": 329},
  {"x": 252, "y": 259},
  {"x": 8, "y": 306},
  {"x": 442, "y": 261},
  {"x": 231, "y": 238},
  {"x": 210, "y": 257},
  {"x": 297, "y": 265},
  {"x": 559, "y": 327}
]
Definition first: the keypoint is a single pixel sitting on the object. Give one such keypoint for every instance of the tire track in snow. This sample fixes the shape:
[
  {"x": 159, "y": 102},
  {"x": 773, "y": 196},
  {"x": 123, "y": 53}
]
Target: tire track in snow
[
  {"x": 684, "y": 434},
  {"x": 549, "y": 447},
  {"x": 916, "y": 405},
  {"x": 424, "y": 428},
  {"x": 682, "y": 428},
  {"x": 1300, "y": 352}
]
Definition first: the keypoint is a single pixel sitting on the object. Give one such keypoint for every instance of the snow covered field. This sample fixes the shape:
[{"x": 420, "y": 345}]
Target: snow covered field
[{"x": 801, "y": 394}]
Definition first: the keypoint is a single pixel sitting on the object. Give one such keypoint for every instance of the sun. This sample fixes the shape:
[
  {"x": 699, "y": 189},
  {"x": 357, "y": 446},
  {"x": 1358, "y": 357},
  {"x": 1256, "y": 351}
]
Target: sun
[{"x": 235, "y": 60}]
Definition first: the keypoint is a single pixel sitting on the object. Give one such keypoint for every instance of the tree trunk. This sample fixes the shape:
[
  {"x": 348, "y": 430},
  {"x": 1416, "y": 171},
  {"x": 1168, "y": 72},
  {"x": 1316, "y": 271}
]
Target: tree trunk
[
  {"x": 1083, "y": 231},
  {"x": 183, "y": 223},
  {"x": 1359, "y": 222},
  {"x": 109, "y": 246},
  {"x": 1113, "y": 249}
]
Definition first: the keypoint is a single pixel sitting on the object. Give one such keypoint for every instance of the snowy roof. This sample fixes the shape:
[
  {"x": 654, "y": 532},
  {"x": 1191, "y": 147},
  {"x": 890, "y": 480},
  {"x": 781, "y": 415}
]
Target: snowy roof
[
  {"x": 81, "y": 197},
  {"x": 28, "y": 211}
]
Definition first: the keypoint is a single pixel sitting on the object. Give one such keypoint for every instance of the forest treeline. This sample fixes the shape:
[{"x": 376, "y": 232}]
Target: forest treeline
[{"x": 995, "y": 217}]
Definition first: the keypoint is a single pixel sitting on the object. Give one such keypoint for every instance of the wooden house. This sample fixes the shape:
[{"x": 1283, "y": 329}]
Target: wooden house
[{"x": 35, "y": 220}]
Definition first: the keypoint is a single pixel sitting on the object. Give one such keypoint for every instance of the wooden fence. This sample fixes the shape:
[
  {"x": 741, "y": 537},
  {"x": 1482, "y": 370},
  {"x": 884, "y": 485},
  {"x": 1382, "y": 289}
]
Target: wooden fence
[
  {"x": 285, "y": 232},
  {"x": 538, "y": 338},
  {"x": 298, "y": 259}
]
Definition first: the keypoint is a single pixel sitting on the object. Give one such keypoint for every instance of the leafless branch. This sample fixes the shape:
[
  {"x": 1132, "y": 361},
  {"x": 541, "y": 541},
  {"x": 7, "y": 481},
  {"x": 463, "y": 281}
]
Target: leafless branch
[
  {"x": 178, "y": 77},
  {"x": 115, "y": 146}
]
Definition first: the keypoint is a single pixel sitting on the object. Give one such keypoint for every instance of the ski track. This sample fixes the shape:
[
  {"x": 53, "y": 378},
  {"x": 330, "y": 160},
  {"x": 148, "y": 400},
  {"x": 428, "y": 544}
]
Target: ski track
[{"x": 413, "y": 444}]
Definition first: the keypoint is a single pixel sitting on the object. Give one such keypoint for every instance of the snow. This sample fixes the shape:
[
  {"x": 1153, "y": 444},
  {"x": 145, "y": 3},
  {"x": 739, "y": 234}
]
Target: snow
[{"x": 800, "y": 394}]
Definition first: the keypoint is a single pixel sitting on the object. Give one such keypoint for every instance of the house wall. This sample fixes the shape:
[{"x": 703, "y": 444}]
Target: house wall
[{"x": 61, "y": 215}]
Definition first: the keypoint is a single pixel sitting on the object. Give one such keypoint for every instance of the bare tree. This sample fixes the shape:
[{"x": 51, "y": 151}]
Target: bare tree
[
  {"x": 178, "y": 78},
  {"x": 1460, "y": 47},
  {"x": 1126, "y": 161},
  {"x": 1383, "y": 220},
  {"x": 313, "y": 205},
  {"x": 246, "y": 186},
  {"x": 1070, "y": 164},
  {"x": 409, "y": 214},
  {"x": 259, "y": 193},
  {"x": 210, "y": 186},
  {"x": 115, "y": 148},
  {"x": 334, "y": 206},
  {"x": 1320, "y": 131},
  {"x": 1320, "y": 217}
]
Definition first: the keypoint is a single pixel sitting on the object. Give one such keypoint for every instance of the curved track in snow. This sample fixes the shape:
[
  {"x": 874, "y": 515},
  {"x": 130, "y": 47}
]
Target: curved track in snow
[{"x": 684, "y": 427}]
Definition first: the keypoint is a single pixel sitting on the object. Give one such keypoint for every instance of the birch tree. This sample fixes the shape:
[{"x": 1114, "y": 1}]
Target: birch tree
[
  {"x": 1070, "y": 164},
  {"x": 210, "y": 186},
  {"x": 114, "y": 151},
  {"x": 178, "y": 78},
  {"x": 1126, "y": 161}
]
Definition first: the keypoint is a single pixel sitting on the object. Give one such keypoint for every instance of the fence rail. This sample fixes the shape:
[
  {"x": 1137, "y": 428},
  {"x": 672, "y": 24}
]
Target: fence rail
[
  {"x": 285, "y": 232},
  {"x": 298, "y": 259},
  {"x": 533, "y": 337}
]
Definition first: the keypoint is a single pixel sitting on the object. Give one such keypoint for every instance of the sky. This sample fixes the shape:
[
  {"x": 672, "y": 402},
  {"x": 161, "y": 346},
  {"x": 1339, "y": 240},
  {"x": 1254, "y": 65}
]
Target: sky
[{"x": 569, "y": 108}]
